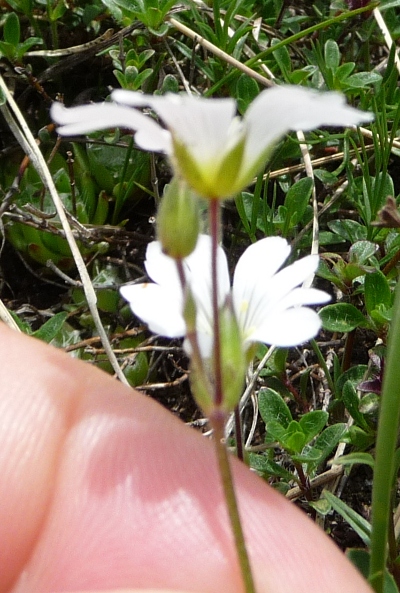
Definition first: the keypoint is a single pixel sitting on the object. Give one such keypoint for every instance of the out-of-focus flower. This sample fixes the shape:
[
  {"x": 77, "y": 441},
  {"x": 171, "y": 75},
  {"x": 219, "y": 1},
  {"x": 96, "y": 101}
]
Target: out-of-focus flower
[{"x": 214, "y": 150}]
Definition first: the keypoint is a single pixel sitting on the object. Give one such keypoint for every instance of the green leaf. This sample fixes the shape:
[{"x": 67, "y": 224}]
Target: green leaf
[
  {"x": 276, "y": 432},
  {"x": 23, "y": 325},
  {"x": 282, "y": 58},
  {"x": 246, "y": 90},
  {"x": 296, "y": 201},
  {"x": 341, "y": 317},
  {"x": 328, "y": 238},
  {"x": 161, "y": 30},
  {"x": 361, "y": 80},
  {"x": 332, "y": 54},
  {"x": 272, "y": 407},
  {"x": 141, "y": 78},
  {"x": 11, "y": 30},
  {"x": 361, "y": 251},
  {"x": 355, "y": 374},
  {"x": 104, "y": 161},
  {"x": 323, "y": 446},
  {"x": 382, "y": 186},
  {"x": 170, "y": 84},
  {"x": 324, "y": 271},
  {"x": 356, "y": 521},
  {"x": 310, "y": 456},
  {"x": 279, "y": 361},
  {"x": 57, "y": 10},
  {"x": 359, "y": 438},
  {"x": 268, "y": 468},
  {"x": 26, "y": 45},
  {"x": 377, "y": 291},
  {"x": 322, "y": 506},
  {"x": 131, "y": 73},
  {"x": 348, "y": 229},
  {"x": 369, "y": 404},
  {"x": 352, "y": 271},
  {"x": 144, "y": 56},
  {"x": 381, "y": 316},
  {"x": 136, "y": 372},
  {"x": 351, "y": 401},
  {"x": 344, "y": 71},
  {"x": 326, "y": 177},
  {"x": 50, "y": 329},
  {"x": 312, "y": 423},
  {"x": 294, "y": 438},
  {"x": 357, "y": 458},
  {"x": 329, "y": 438},
  {"x": 7, "y": 50}
]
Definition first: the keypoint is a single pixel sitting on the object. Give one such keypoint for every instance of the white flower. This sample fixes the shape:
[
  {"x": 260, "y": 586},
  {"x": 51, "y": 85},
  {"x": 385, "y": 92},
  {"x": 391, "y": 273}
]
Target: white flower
[
  {"x": 218, "y": 153},
  {"x": 267, "y": 301}
]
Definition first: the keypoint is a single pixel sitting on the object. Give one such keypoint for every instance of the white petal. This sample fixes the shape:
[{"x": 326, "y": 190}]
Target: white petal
[
  {"x": 267, "y": 296},
  {"x": 288, "y": 328},
  {"x": 133, "y": 98},
  {"x": 202, "y": 125},
  {"x": 199, "y": 273},
  {"x": 260, "y": 261},
  {"x": 161, "y": 268},
  {"x": 89, "y": 118},
  {"x": 290, "y": 277},
  {"x": 280, "y": 109},
  {"x": 205, "y": 343},
  {"x": 156, "y": 306},
  {"x": 197, "y": 266},
  {"x": 303, "y": 296}
]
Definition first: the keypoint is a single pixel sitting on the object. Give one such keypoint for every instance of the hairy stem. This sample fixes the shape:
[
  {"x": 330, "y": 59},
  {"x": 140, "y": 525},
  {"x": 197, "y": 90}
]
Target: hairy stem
[
  {"x": 218, "y": 417},
  {"x": 217, "y": 420}
]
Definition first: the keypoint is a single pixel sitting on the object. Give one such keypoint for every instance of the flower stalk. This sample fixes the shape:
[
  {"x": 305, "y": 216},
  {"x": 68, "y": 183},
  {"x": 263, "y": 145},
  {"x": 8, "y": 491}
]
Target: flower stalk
[
  {"x": 214, "y": 211},
  {"x": 217, "y": 421},
  {"x": 218, "y": 417}
]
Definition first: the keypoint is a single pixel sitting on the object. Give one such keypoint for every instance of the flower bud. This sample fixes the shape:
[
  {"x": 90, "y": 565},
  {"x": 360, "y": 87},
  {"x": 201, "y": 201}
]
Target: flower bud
[{"x": 178, "y": 220}]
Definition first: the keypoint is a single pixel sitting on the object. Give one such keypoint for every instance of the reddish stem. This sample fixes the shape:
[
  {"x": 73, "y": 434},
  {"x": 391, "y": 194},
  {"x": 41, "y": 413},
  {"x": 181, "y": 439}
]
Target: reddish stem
[{"x": 214, "y": 228}]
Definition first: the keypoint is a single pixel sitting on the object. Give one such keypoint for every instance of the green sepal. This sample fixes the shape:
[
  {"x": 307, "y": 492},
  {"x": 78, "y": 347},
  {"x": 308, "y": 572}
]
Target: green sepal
[
  {"x": 233, "y": 360},
  {"x": 178, "y": 220}
]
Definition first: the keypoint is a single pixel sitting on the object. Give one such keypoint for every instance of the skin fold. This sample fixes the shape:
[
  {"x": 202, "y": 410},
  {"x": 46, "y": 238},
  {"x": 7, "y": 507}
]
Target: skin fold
[{"x": 101, "y": 489}]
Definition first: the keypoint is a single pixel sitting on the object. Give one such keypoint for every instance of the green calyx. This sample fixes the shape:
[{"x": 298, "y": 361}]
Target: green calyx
[
  {"x": 178, "y": 220},
  {"x": 208, "y": 181},
  {"x": 233, "y": 359}
]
